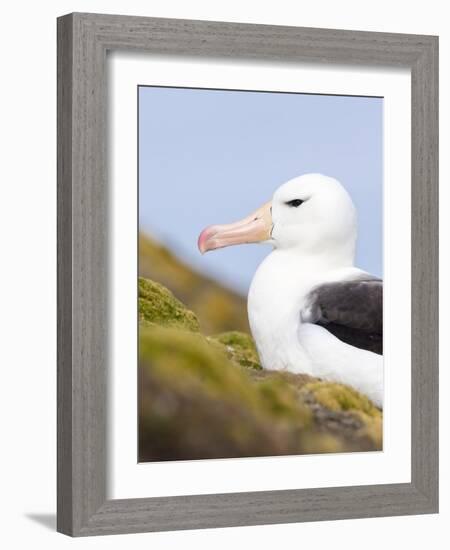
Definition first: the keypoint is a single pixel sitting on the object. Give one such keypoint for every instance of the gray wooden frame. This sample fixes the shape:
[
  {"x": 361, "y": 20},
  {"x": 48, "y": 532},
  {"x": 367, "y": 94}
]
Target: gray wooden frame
[{"x": 83, "y": 41}]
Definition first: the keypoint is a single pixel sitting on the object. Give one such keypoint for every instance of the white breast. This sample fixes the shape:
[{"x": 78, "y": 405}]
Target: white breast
[{"x": 276, "y": 301}]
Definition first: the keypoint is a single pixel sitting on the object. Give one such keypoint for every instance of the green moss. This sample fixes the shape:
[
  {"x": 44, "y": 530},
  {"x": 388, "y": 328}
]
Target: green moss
[
  {"x": 208, "y": 397},
  {"x": 352, "y": 404},
  {"x": 157, "y": 305},
  {"x": 216, "y": 307},
  {"x": 281, "y": 398},
  {"x": 240, "y": 348},
  {"x": 190, "y": 357},
  {"x": 338, "y": 397},
  {"x": 195, "y": 402}
]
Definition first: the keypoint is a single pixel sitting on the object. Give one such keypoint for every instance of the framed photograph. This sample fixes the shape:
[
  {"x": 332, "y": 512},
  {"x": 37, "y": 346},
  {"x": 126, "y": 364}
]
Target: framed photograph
[{"x": 247, "y": 274}]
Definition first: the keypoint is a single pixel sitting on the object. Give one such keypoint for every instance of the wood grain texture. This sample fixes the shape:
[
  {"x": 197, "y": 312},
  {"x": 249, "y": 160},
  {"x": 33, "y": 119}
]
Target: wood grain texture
[
  {"x": 425, "y": 288},
  {"x": 82, "y": 261},
  {"x": 83, "y": 40},
  {"x": 64, "y": 300}
]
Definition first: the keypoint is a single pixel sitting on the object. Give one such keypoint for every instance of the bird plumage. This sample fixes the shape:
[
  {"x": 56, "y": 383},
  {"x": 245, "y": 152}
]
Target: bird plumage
[
  {"x": 310, "y": 309},
  {"x": 351, "y": 310}
]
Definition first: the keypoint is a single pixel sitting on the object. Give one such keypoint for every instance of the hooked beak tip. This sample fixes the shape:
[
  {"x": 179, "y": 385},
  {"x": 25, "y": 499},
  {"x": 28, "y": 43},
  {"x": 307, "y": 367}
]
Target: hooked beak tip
[
  {"x": 254, "y": 228},
  {"x": 202, "y": 242}
]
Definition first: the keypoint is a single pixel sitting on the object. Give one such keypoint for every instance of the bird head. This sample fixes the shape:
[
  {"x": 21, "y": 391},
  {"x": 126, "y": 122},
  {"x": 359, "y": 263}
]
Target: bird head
[{"x": 312, "y": 213}]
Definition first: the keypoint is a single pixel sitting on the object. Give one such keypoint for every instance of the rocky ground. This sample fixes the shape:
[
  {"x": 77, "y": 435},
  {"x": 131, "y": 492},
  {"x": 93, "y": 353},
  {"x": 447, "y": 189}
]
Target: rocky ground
[
  {"x": 217, "y": 308},
  {"x": 208, "y": 397}
]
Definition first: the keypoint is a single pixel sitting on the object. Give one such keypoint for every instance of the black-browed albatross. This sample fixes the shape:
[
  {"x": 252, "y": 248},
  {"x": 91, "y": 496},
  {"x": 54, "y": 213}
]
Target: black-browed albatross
[{"x": 310, "y": 309}]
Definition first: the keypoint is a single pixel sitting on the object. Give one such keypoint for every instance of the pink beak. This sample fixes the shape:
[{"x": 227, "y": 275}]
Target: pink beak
[{"x": 254, "y": 228}]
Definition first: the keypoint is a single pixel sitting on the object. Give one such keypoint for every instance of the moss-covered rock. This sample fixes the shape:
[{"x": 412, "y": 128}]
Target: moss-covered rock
[
  {"x": 338, "y": 397},
  {"x": 341, "y": 409},
  {"x": 195, "y": 403},
  {"x": 240, "y": 348},
  {"x": 217, "y": 308},
  {"x": 208, "y": 397},
  {"x": 157, "y": 305}
]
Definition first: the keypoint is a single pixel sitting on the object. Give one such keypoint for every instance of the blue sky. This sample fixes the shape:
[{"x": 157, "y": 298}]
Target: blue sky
[{"x": 213, "y": 156}]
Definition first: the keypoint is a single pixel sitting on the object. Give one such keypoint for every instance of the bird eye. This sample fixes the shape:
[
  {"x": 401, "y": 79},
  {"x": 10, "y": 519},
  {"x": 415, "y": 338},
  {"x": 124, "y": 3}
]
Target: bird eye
[{"x": 295, "y": 203}]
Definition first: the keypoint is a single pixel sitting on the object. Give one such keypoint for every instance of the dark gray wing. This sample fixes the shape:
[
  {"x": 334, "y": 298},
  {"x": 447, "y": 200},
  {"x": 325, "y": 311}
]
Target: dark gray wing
[{"x": 351, "y": 310}]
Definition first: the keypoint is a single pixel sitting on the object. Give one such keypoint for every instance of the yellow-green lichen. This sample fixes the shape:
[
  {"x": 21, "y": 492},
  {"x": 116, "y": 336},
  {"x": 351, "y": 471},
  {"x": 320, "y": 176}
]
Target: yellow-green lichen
[
  {"x": 348, "y": 401},
  {"x": 208, "y": 397},
  {"x": 338, "y": 397},
  {"x": 157, "y": 305},
  {"x": 195, "y": 402},
  {"x": 240, "y": 348},
  {"x": 216, "y": 307}
]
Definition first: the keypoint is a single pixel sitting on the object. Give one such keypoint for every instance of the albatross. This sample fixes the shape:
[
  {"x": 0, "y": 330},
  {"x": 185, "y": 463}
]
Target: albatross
[{"x": 310, "y": 309}]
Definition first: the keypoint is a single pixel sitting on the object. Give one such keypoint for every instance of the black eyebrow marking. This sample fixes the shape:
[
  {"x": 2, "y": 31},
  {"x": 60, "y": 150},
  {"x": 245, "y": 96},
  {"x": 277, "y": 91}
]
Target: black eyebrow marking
[{"x": 295, "y": 202}]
